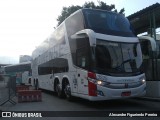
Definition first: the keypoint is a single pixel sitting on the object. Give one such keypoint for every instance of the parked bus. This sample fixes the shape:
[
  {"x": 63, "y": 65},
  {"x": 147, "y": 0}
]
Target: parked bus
[
  {"x": 151, "y": 62},
  {"x": 22, "y": 71},
  {"x": 93, "y": 54}
]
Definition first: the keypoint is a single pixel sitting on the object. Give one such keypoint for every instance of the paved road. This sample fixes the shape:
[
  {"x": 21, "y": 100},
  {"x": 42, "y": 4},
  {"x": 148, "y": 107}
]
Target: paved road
[{"x": 51, "y": 102}]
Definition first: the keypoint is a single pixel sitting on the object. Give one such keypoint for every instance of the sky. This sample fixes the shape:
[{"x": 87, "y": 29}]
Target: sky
[{"x": 24, "y": 24}]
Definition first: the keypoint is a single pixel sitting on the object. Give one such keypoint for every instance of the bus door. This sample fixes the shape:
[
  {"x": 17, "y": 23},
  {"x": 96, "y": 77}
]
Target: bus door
[
  {"x": 82, "y": 81},
  {"x": 82, "y": 61}
]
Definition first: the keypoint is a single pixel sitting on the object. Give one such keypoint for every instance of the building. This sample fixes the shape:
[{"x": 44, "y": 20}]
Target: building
[{"x": 25, "y": 58}]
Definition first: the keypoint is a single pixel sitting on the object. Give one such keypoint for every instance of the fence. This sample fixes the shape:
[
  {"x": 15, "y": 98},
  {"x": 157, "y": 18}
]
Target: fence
[
  {"x": 152, "y": 66},
  {"x": 7, "y": 89}
]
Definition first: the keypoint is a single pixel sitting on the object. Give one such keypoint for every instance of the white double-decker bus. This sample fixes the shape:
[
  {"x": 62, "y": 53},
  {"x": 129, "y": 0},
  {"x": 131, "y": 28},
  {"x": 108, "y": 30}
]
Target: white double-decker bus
[{"x": 93, "y": 54}]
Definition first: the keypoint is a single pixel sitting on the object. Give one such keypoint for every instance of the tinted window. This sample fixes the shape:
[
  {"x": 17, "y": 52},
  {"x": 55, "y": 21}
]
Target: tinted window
[
  {"x": 74, "y": 23},
  {"x": 114, "y": 57},
  {"x": 83, "y": 57},
  {"x": 57, "y": 65},
  {"x": 58, "y": 37},
  {"x": 78, "y": 43},
  {"x": 107, "y": 23},
  {"x": 146, "y": 49}
]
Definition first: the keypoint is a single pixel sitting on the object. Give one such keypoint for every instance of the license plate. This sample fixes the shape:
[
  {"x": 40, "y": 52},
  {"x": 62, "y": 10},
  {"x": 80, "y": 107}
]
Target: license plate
[{"x": 128, "y": 93}]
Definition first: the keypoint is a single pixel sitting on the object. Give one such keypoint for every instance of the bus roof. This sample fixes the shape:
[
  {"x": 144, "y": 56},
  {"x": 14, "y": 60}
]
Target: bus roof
[{"x": 26, "y": 66}]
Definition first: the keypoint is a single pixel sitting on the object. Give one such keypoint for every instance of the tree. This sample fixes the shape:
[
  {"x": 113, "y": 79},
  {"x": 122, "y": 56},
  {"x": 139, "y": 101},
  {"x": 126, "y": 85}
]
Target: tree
[{"x": 67, "y": 11}]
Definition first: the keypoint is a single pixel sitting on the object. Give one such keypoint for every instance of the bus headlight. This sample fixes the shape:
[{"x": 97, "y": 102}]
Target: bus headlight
[
  {"x": 102, "y": 83},
  {"x": 143, "y": 80},
  {"x": 99, "y": 82}
]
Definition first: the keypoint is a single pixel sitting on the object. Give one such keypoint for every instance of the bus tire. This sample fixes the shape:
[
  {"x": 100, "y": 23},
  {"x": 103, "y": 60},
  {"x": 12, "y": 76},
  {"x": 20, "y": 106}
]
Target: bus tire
[
  {"x": 58, "y": 90},
  {"x": 34, "y": 82},
  {"x": 29, "y": 81},
  {"x": 37, "y": 84},
  {"x": 67, "y": 91}
]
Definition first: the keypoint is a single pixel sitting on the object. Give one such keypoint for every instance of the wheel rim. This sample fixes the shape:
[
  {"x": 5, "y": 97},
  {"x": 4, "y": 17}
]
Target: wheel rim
[
  {"x": 58, "y": 89},
  {"x": 67, "y": 91}
]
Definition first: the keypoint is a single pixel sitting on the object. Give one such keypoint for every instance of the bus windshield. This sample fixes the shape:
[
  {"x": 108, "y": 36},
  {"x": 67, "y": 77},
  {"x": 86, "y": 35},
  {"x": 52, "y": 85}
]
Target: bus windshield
[
  {"x": 118, "y": 58},
  {"x": 108, "y": 23}
]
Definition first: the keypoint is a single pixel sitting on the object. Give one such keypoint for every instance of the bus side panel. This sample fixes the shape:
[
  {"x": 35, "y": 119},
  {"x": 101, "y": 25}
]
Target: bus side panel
[
  {"x": 82, "y": 81},
  {"x": 45, "y": 82}
]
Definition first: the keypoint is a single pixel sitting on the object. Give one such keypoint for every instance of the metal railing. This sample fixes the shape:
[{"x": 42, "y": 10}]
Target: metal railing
[{"x": 7, "y": 89}]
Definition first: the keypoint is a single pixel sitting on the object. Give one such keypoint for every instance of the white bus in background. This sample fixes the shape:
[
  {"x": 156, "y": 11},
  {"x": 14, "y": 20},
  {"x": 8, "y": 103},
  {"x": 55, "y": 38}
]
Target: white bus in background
[
  {"x": 94, "y": 55},
  {"x": 22, "y": 71},
  {"x": 151, "y": 60},
  {"x": 26, "y": 78}
]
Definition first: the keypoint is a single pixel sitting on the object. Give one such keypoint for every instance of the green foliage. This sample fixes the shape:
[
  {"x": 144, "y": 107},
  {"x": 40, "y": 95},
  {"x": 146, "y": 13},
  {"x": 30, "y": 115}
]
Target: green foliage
[
  {"x": 89, "y": 5},
  {"x": 67, "y": 11}
]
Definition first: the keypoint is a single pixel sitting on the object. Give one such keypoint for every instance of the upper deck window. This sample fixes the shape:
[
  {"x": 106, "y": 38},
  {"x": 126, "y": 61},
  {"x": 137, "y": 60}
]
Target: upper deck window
[{"x": 108, "y": 23}]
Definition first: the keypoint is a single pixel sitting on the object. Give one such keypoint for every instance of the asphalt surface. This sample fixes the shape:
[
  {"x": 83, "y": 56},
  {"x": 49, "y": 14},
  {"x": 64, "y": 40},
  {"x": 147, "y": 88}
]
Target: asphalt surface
[{"x": 50, "y": 102}]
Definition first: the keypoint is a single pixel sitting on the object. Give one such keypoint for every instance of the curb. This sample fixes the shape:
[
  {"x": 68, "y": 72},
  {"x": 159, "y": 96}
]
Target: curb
[{"x": 149, "y": 99}]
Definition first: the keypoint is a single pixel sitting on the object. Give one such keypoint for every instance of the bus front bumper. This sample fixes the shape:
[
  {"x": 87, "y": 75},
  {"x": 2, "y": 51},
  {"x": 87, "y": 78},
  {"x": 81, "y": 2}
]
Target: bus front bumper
[{"x": 104, "y": 93}]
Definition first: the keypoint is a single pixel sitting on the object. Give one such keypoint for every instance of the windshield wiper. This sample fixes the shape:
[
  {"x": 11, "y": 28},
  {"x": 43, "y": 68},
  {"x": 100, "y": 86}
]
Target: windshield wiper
[{"x": 120, "y": 67}]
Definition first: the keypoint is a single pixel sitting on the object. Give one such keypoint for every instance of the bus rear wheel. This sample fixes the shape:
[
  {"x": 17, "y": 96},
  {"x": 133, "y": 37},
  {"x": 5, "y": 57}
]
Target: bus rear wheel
[
  {"x": 67, "y": 91},
  {"x": 59, "y": 91}
]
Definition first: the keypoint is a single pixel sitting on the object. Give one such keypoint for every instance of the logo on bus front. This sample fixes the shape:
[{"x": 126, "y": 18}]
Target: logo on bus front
[
  {"x": 124, "y": 81},
  {"x": 126, "y": 85}
]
